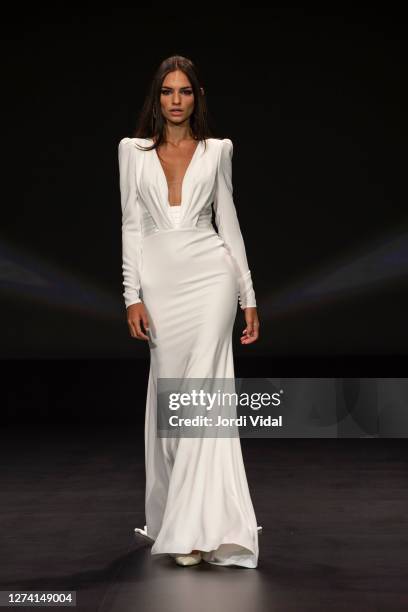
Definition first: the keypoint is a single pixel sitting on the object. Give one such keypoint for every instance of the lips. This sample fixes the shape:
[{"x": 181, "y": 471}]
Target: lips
[{"x": 176, "y": 111}]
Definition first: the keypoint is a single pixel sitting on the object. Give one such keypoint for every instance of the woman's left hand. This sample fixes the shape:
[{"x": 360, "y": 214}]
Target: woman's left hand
[{"x": 251, "y": 332}]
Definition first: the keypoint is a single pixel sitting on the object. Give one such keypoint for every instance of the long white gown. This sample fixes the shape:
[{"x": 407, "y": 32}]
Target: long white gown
[{"x": 189, "y": 278}]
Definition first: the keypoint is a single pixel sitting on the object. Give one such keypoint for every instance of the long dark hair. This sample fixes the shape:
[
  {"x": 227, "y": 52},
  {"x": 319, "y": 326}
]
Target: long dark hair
[{"x": 151, "y": 123}]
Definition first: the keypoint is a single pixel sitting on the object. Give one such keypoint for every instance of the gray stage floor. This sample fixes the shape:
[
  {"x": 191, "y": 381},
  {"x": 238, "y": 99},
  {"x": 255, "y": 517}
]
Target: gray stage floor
[{"x": 333, "y": 513}]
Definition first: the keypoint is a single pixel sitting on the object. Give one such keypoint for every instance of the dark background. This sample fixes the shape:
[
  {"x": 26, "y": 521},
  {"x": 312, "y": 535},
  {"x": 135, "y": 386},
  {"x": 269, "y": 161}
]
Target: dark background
[{"x": 315, "y": 105}]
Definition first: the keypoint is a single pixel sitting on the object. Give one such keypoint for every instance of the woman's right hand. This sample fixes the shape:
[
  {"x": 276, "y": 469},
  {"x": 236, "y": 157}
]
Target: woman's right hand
[{"x": 136, "y": 314}]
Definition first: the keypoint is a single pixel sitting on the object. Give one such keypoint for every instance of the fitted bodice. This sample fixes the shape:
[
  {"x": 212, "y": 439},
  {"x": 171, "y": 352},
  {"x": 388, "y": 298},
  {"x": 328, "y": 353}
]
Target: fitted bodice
[
  {"x": 151, "y": 187},
  {"x": 175, "y": 213},
  {"x": 146, "y": 210}
]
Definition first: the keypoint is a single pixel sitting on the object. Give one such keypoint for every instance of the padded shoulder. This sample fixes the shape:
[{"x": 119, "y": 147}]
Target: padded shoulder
[
  {"x": 228, "y": 147},
  {"x": 124, "y": 141},
  {"x": 226, "y": 150}
]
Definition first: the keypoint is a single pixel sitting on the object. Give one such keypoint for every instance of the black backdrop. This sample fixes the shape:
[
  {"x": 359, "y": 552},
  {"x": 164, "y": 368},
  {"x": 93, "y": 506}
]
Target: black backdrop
[{"x": 315, "y": 105}]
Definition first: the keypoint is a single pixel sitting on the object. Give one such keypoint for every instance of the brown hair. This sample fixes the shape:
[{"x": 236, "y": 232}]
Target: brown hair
[{"x": 150, "y": 122}]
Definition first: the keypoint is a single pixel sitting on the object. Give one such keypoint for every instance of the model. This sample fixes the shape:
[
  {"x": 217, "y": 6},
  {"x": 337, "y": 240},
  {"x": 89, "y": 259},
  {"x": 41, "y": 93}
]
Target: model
[{"x": 182, "y": 285}]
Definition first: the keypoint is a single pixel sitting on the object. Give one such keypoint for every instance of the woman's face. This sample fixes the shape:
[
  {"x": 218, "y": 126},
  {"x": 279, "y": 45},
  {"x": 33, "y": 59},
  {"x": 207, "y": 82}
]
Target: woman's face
[{"x": 176, "y": 93}]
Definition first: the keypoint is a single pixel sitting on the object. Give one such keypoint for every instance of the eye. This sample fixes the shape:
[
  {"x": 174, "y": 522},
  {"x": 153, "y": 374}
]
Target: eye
[{"x": 188, "y": 92}]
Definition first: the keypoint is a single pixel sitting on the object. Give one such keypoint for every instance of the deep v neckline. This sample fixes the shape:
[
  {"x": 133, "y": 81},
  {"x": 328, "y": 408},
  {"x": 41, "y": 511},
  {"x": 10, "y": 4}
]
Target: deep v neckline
[{"x": 164, "y": 178}]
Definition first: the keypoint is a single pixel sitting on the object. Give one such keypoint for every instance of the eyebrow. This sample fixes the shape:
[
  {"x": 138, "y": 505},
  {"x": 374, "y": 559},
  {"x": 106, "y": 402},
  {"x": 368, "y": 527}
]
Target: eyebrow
[{"x": 168, "y": 87}]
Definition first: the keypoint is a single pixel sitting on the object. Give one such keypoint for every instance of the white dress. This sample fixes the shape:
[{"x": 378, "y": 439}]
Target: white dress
[
  {"x": 175, "y": 213},
  {"x": 190, "y": 279}
]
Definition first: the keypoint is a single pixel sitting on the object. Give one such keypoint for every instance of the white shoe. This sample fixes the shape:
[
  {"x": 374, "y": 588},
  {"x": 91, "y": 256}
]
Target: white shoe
[
  {"x": 188, "y": 559},
  {"x": 143, "y": 532}
]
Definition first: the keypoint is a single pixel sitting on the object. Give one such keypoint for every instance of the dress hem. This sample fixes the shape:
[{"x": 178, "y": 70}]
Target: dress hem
[{"x": 249, "y": 552}]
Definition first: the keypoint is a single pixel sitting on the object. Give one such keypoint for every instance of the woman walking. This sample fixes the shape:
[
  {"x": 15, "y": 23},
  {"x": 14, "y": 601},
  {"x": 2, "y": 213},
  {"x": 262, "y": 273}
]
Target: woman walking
[{"x": 182, "y": 282}]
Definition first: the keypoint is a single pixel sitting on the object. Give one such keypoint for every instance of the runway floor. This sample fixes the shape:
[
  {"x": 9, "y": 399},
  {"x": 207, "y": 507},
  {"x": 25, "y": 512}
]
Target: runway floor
[{"x": 333, "y": 513}]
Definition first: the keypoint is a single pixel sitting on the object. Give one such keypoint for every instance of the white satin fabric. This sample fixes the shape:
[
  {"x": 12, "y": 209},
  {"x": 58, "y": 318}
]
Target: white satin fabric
[
  {"x": 175, "y": 213},
  {"x": 189, "y": 278}
]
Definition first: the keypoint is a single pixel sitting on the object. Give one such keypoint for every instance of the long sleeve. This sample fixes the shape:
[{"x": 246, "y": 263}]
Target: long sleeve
[
  {"x": 228, "y": 225},
  {"x": 131, "y": 226}
]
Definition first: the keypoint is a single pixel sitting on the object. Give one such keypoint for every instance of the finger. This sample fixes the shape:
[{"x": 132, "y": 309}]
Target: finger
[
  {"x": 140, "y": 334},
  {"x": 145, "y": 320},
  {"x": 135, "y": 330},
  {"x": 132, "y": 330},
  {"x": 132, "y": 327},
  {"x": 250, "y": 339}
]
